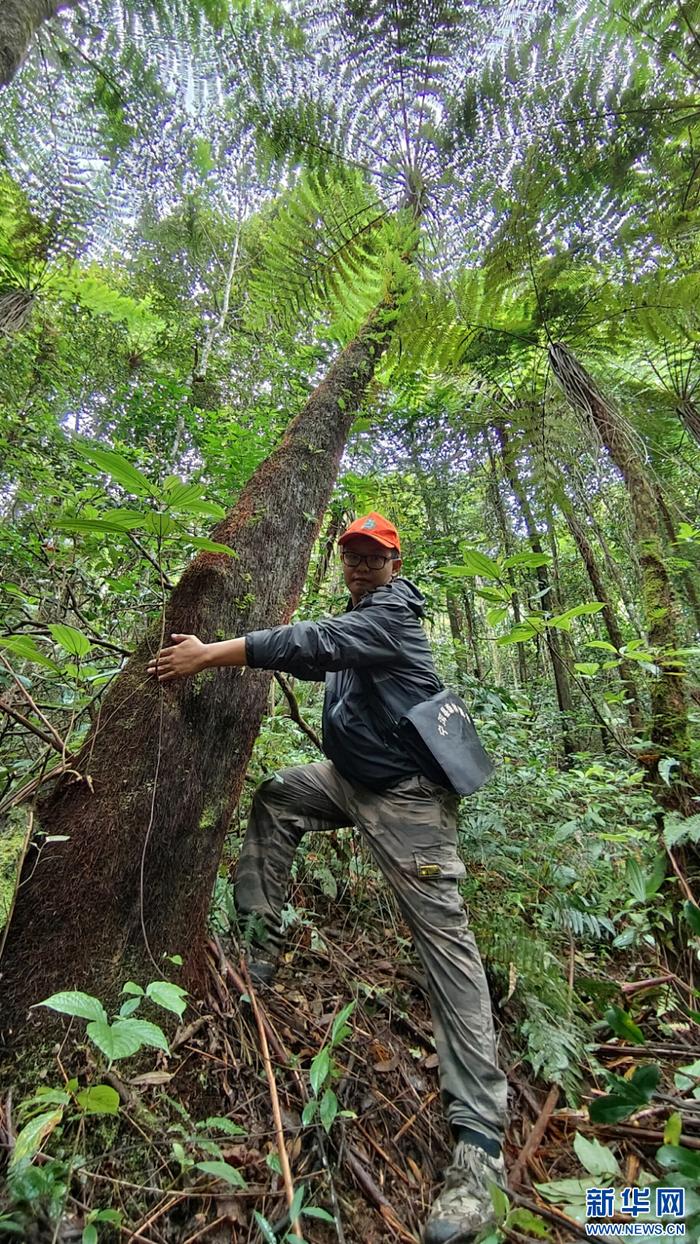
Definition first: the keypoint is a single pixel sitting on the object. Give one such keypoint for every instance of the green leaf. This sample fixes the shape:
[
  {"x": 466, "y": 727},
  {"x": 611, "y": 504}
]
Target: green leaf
[
  {"x": 117, "y": 467},
  {"x": 133, "y": 988},
  {"x": 222, "y": 1170},
  {"x": 315, "y": 1211},
  {"x": 340, "y": 1029},
  {"x": 665, "y": 766},
  {"x": 297, "y": 1202},
  {"x": 531, "y": 1224},
  {"x": 31, "y": 1138},
  {"x": 496, "y": 615},
  {"x": 169, "y": 996},
  {"x": 265, "y": 1228},
  {"x": 691, "y": 914},
  {"x": 678, "y": 1158},
  {"x": 148, "y": 1033},
  {"x": 104, "y": 525},
  {"x": 328, "y": 1109},
  {"x": 74, "y": 642},
  {"x": 476, "y": 563},
  {"x": 89, "y": 1235},
  {"x": 624, "y": 1026},
  {"x": 179, "y": 496},
  {"x": 679, "y": 829},
  {"x": 129, "y": 1007},
  {"x": 500, "y": 1202},
  {"x": 210, "y": 546},
  {"x": 634, "y": 877},
  {"x": 25, "y": 647},
  {"x": 113, "y": 1039},
  {"x": 73, "y": 1003},
  {"x": 309, "y": 1111},
  {"x": 673, "y": 1128},
  {"x": 99, "y": 1099},
  {"x": 587, "y": 668},
  {"x": 595, "y": 1157},
  {"x": 320, "y": 1069},
  {"x": 159, "y": 525},
  {"x": 601, "y": 644}
]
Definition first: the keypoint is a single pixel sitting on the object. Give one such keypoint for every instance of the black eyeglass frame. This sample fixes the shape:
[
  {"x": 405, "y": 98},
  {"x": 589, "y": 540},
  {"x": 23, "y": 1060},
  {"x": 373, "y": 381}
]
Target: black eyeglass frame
[{"x": 346, "y": 555}]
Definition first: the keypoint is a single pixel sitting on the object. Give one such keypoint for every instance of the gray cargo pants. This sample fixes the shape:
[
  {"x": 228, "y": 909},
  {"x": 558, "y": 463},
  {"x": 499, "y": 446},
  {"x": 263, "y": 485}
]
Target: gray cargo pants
[{"x": 411, "y": 831}]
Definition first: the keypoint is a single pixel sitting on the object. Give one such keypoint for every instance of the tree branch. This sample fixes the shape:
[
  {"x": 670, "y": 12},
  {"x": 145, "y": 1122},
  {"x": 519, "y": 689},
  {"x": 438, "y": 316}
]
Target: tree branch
[{"x": 294, "y": 711}]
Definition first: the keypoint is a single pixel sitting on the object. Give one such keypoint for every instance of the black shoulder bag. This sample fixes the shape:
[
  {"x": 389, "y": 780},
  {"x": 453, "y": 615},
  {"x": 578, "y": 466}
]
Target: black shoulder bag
[{"x": 442, "y": 727}]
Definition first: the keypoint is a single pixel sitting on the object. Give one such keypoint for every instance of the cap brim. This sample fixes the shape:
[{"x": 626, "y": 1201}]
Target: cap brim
[{"x": 366, "y": 535}]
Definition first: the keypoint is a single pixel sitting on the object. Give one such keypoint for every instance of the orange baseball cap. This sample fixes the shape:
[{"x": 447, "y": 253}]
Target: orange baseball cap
[{"x": 375, "y": 526}]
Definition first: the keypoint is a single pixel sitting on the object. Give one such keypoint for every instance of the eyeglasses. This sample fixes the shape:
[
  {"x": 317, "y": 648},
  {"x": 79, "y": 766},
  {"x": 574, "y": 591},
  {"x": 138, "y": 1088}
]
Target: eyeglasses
[{"x": 374, "y": 561}]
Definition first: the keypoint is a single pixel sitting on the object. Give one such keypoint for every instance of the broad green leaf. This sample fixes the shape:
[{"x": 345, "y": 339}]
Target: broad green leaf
[
  {"x": 89, "y": 1235},
  {"x": 179, "y": 496},
  {"x": 634, "y": 878},
  {"x": 476, "y": 563},
  {"x": 666, "y": 767},
  {"x": 297, "y": 1201},
  {"x": 624, "y": 1026},
  {"x": 74, "y": 1003},
  {"x": 31, "y": 1138},
  {"x": 159, "y": 525},
  {"x": 148, "y": 1033},
  {"x": 320, "y": 1069},
  {"x": 587, "y": 668},
  {"x": 118, "y": 468},
  {"x": 692, "y": 916},
  {"x": 25, "y": 647},
  {"x": 496, "y": 594},
  {"x": 678, "y": 1158},
  {"x": 103, "y": 525},
  {"x": 496, "y": 615},
  {"x": 673, "y": 1128},
  {"x": 601, "y": 644},
  {"x": 595, "y": 1157},
  {"x": 71, "y": 639},
  {"x": 524, "y": 1220},
  {"x": 655, "y": 879},
  {"x": 132, "y": 988},
  {"x": 99, "y": 1099},
  {"x": 315, "y": 1211},
  {"x": 222, "y": 1170},
  {"x": 210, "y": 546},
  {"x": 499, "y": 1200},
  {"x": 113, "y": 1039},
  {"x": 171, "y": 997}
]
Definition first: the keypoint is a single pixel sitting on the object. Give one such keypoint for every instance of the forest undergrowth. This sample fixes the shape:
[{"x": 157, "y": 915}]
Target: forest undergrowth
[{"x": 571, "y": 901}]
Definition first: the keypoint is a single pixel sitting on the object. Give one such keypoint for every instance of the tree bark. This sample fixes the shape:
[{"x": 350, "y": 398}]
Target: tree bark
[
  {"x": 19, "y": 22},
  {"x": 669, "y": 710},
  {"x": 612, "y": 627},
  {"x": 552, "y": 638},
  {"x": 162, "y": 773},
  {"x": 508, "y": 545},
  {"x": 687, "y": 578}
]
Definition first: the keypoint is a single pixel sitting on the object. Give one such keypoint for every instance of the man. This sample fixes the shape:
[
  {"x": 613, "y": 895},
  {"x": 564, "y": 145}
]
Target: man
[{"x": 377, "y": 664}]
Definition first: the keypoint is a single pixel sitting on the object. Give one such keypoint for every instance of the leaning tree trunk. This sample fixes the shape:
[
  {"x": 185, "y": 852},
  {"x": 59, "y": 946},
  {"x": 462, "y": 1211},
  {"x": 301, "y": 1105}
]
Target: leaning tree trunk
[
  {"x": 609, "y": 616},
  {"x": 553, "y": 640},
  {"x": 146, "y": 812},
  {"x": 19, "y": 22},
  {"x": 687, "y": 578},
  {"x": 669, "y": 710}
]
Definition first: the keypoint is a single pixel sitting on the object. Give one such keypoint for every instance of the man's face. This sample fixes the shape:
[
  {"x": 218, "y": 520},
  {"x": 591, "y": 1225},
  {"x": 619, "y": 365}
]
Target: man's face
[{"x": 361, "y": 579}]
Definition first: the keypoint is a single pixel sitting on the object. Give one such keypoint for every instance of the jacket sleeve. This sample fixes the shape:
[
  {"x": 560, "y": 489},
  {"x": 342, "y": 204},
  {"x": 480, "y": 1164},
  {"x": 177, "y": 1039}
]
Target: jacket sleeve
[{"x": 309, "y": 650}]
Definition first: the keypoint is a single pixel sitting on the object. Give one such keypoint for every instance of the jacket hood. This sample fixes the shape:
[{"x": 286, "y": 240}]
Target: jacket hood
[{"x": 401, "y": 589}]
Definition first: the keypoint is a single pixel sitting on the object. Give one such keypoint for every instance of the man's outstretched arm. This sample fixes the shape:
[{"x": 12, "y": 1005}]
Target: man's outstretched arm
[{"x": 188, "y": 655}]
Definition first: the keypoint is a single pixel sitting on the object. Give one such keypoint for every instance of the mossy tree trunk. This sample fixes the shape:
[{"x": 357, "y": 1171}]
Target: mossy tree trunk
[
  {"x": 669, "y": 710},
  {"x": 19, "y": 22},
  {"x": 608, "y": 614},
  {"x": 552, "y": 637},
  {"x": 161, "y": 774}
]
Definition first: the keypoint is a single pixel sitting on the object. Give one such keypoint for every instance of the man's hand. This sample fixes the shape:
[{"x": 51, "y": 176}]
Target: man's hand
[{"x": 187, "y": 655}]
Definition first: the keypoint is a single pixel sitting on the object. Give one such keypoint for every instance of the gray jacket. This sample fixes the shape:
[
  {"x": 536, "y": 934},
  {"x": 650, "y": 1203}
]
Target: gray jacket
[{"x": 378, "y": 643}]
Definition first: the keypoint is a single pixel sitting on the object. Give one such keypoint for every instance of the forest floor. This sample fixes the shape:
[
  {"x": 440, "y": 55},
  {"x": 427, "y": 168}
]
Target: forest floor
[{"x": 373, "y": 1170}]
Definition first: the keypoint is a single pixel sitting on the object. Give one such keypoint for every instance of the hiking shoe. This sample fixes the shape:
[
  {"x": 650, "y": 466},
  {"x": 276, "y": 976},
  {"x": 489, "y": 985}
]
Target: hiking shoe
[{"x": 464, "y": 1206}]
